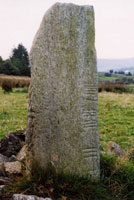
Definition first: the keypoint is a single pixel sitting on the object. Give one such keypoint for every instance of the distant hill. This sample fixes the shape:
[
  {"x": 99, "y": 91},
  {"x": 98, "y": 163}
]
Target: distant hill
[{"x": 105, "y": 65}]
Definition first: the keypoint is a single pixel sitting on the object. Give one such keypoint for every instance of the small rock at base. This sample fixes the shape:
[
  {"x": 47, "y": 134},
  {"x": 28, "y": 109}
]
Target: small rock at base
[
  {"x": 10, "y": 145},
  {"x": 3, "y": 158},
  {"x": 22, "y": 153},
  {"x": 115, "y": 148},
  {"x": 12, "y": 167},
  {"x": 13, "y": 158},
  {"x": 28, "y": 197}
]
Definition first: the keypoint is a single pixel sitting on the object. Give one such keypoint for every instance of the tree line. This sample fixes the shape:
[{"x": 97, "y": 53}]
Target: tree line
[
  {"x": 111, "y": 72},
  {"x": 17, "y": 63}
]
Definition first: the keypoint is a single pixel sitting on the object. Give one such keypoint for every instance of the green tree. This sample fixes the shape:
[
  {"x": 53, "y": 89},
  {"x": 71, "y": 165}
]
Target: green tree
[
  {"x": 111, "y": 71},
  {"x": 20, "y": 53},
  {"x": 17, "y": 64},
  {"x": 6, "y": 67},
  {"x": 107, "y": 74},
  {"x": 20, "y": 60},
  {"x": 1, "y": 60}
]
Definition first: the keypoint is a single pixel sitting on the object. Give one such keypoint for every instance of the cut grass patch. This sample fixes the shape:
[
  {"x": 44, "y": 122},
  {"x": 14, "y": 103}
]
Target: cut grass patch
[
  {"x": 13, "y": 111},
  {"x": 116, "y": 119},
  {"x": 116, "y": 116},
  {"x": 116, "y": 123}
]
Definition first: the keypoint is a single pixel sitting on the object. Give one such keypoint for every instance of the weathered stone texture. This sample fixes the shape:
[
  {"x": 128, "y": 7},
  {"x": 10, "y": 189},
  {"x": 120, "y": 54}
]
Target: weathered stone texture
[
  {"x": 112, "y": 147},
  {"x": 13, "y": 168},
  {"x": 62, "y": 118},
  {"x": 22, "y": 154}
]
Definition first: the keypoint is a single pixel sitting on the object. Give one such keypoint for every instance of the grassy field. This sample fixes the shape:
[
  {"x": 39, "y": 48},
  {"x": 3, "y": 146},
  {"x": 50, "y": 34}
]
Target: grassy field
[
  {"x": 116, "y": 123},
  {"x": 13, "y": 111},
  {"x": 116, "y": 116},
  {"x": 116, "y": 119},
  {"x": 102, "y": 77},
  {"x": 9, "y": 82}
]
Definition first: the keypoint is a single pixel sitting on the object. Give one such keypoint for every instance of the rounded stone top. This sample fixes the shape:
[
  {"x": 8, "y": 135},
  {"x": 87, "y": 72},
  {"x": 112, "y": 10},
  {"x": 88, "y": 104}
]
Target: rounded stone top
[{"x": 72, "y": 5}]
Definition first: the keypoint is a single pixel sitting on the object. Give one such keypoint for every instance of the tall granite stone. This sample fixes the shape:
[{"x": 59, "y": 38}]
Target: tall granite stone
[{"x": 62, "y": 128}]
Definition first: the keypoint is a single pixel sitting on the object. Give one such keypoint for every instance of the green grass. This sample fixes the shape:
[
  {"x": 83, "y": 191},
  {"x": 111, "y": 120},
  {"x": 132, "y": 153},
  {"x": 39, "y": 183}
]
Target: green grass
[
  {"x": 105, "y": 78},
  {"x": 116, "y": 116},
  {"x": 116, "y": 119},
  {"x": 116, "y": 183},
  {"x": 102, "y": 77},
  {"x": 13, "y": 111},
  {"x": 116, "y": 123}
]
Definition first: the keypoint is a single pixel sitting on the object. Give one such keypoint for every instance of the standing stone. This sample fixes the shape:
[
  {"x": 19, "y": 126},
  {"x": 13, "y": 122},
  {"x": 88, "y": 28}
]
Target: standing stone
[{"x": 62, "y": 126}]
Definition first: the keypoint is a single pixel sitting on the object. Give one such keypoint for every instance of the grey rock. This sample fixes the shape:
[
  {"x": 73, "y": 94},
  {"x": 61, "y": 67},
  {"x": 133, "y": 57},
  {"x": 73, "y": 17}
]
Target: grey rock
[
  {"x": 13, "y": 158},
  {"x": 28, "y": 197},
  {"x": 115, "y": 148},
  {"x": 22, "y": 153},
  {"x": 12, "y": 143},
  {"x": 62, "y": 126},
  {"x": 4, "y": 158},
  {"x": 12, "y": 168}
]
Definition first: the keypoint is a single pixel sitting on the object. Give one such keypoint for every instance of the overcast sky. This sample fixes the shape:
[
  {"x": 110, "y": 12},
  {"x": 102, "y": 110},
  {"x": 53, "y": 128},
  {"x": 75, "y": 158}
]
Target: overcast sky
[{"x": 114, "y": 22}]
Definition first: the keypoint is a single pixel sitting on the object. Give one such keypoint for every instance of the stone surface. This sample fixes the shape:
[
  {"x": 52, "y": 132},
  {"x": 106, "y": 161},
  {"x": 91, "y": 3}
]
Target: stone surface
[
  {"x": 62, "y": 126},
  {"x": 28, "y": 197},
  {"x": 13, "y": 158},
  {"x": 3, "y": 158},
  {"x": 12, "y": 167},
  {"x": 22, "y": 153},
  {"x": 12, "y": 143},
  {"x": 115, "y": 148}
]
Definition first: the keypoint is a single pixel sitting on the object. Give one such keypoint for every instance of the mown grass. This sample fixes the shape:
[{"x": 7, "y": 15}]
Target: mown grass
[
  {"x": 116, "y": 123},
  {"x": 116, "y": 119},
  {"x": 13, "y": 111},
  {"x": 116, "y": 116},
  {"x": 105, "y": 78}
]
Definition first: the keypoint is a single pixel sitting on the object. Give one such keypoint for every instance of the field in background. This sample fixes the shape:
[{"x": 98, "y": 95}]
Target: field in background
[
  {"x": 116, "y": 119},
  {"x": 119, "y": 83},
  {"x": 116, "y": 116},
  {"x": 116, "y": 123},
  {"x": 13, "y": 110},
  {"x": 14, "y": 81},
  {"x": 113, "y": 76}
]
